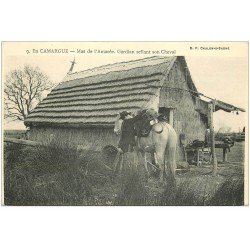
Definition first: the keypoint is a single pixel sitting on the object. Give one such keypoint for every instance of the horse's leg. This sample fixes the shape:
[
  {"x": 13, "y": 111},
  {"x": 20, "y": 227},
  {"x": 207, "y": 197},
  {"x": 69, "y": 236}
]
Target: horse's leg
[
  {"x": 160, "y": 159},
  {"x": 136, "y": 155},
  {"x": 171, "y": 160},
  {"x": 144, "y": 154},
  {"x": 153, "y": 158},
  {"x": 121, "y": 162},
  {"x": 156, "y": 160},
  {"x": 155, "y": 163},
  {"x": 116, "y": 161}
]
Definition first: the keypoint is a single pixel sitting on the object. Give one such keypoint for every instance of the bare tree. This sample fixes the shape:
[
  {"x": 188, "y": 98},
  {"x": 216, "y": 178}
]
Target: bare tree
[{"x": 23, "y": 90}]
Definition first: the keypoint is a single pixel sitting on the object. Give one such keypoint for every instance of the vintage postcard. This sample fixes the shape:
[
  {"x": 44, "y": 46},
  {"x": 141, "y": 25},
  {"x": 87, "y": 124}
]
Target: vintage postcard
[{"x": 125, "y": 123}]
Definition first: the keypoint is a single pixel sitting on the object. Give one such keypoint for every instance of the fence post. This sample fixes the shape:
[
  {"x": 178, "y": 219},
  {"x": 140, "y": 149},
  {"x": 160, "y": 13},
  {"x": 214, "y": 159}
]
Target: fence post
[{"x": 211, "y": 107}]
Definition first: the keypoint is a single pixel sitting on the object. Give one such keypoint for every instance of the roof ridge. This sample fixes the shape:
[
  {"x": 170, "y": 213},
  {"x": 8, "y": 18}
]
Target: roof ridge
[
  {"x": 122, "y": 62},
  {"x": 118, "y": 66}
]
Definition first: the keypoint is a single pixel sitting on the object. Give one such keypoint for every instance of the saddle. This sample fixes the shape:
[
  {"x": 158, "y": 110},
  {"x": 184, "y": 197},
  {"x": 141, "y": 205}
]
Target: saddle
[
  {"x": 139, "y": 126},
  {"x": 144, "y": 124}
]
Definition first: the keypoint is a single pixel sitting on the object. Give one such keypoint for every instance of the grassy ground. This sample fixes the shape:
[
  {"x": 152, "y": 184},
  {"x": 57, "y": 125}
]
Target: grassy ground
[
  {"x": 236, "y": 153},
  {"x": 56, "y": 176}
]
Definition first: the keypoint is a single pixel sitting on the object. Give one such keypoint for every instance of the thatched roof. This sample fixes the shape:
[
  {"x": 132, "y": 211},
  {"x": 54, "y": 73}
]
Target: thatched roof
[{"x": 94, "y": 97}]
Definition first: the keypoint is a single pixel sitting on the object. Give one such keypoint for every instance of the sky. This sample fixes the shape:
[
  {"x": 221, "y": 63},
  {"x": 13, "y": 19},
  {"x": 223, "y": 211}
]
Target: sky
[{"x": 220, "y": 77}]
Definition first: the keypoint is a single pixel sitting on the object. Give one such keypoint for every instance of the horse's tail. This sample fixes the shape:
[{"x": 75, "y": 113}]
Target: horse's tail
[{"x": 170, "y": 152}]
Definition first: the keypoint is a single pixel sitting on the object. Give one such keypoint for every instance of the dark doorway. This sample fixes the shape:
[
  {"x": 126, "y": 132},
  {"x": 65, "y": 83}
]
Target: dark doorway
[{"x": 166, "y": 114}]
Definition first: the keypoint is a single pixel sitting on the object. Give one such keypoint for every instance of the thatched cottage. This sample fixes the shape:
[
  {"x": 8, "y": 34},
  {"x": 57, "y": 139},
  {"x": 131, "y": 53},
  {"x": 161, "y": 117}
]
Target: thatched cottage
[{"x": 81, "y": 110}]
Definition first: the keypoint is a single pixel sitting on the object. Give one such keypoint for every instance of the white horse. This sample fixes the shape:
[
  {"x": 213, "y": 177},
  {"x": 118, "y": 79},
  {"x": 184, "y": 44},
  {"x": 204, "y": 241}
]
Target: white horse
[{"x": 160, "y": 144}]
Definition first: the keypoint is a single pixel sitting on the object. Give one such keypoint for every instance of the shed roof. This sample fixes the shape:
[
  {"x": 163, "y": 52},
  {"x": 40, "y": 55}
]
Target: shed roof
[
  {"x": 219, "y": 105},
  {"x": 94, "y": 97}
]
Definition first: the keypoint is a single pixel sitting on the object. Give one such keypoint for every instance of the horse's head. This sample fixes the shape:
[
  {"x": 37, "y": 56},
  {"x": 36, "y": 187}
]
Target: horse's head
[
  {"x": 119, "y": 120},
  {"x": 118, "y": 125}
]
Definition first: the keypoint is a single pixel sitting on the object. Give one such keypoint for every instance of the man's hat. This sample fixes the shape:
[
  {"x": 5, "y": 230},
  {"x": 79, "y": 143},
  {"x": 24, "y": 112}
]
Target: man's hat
[{"x": 123, "y": 114}]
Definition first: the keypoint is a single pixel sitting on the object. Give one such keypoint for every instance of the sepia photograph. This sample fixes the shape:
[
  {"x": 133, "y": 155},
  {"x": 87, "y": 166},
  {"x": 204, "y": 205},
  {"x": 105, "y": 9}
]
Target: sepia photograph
[{"x": 125, "y": 123}]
